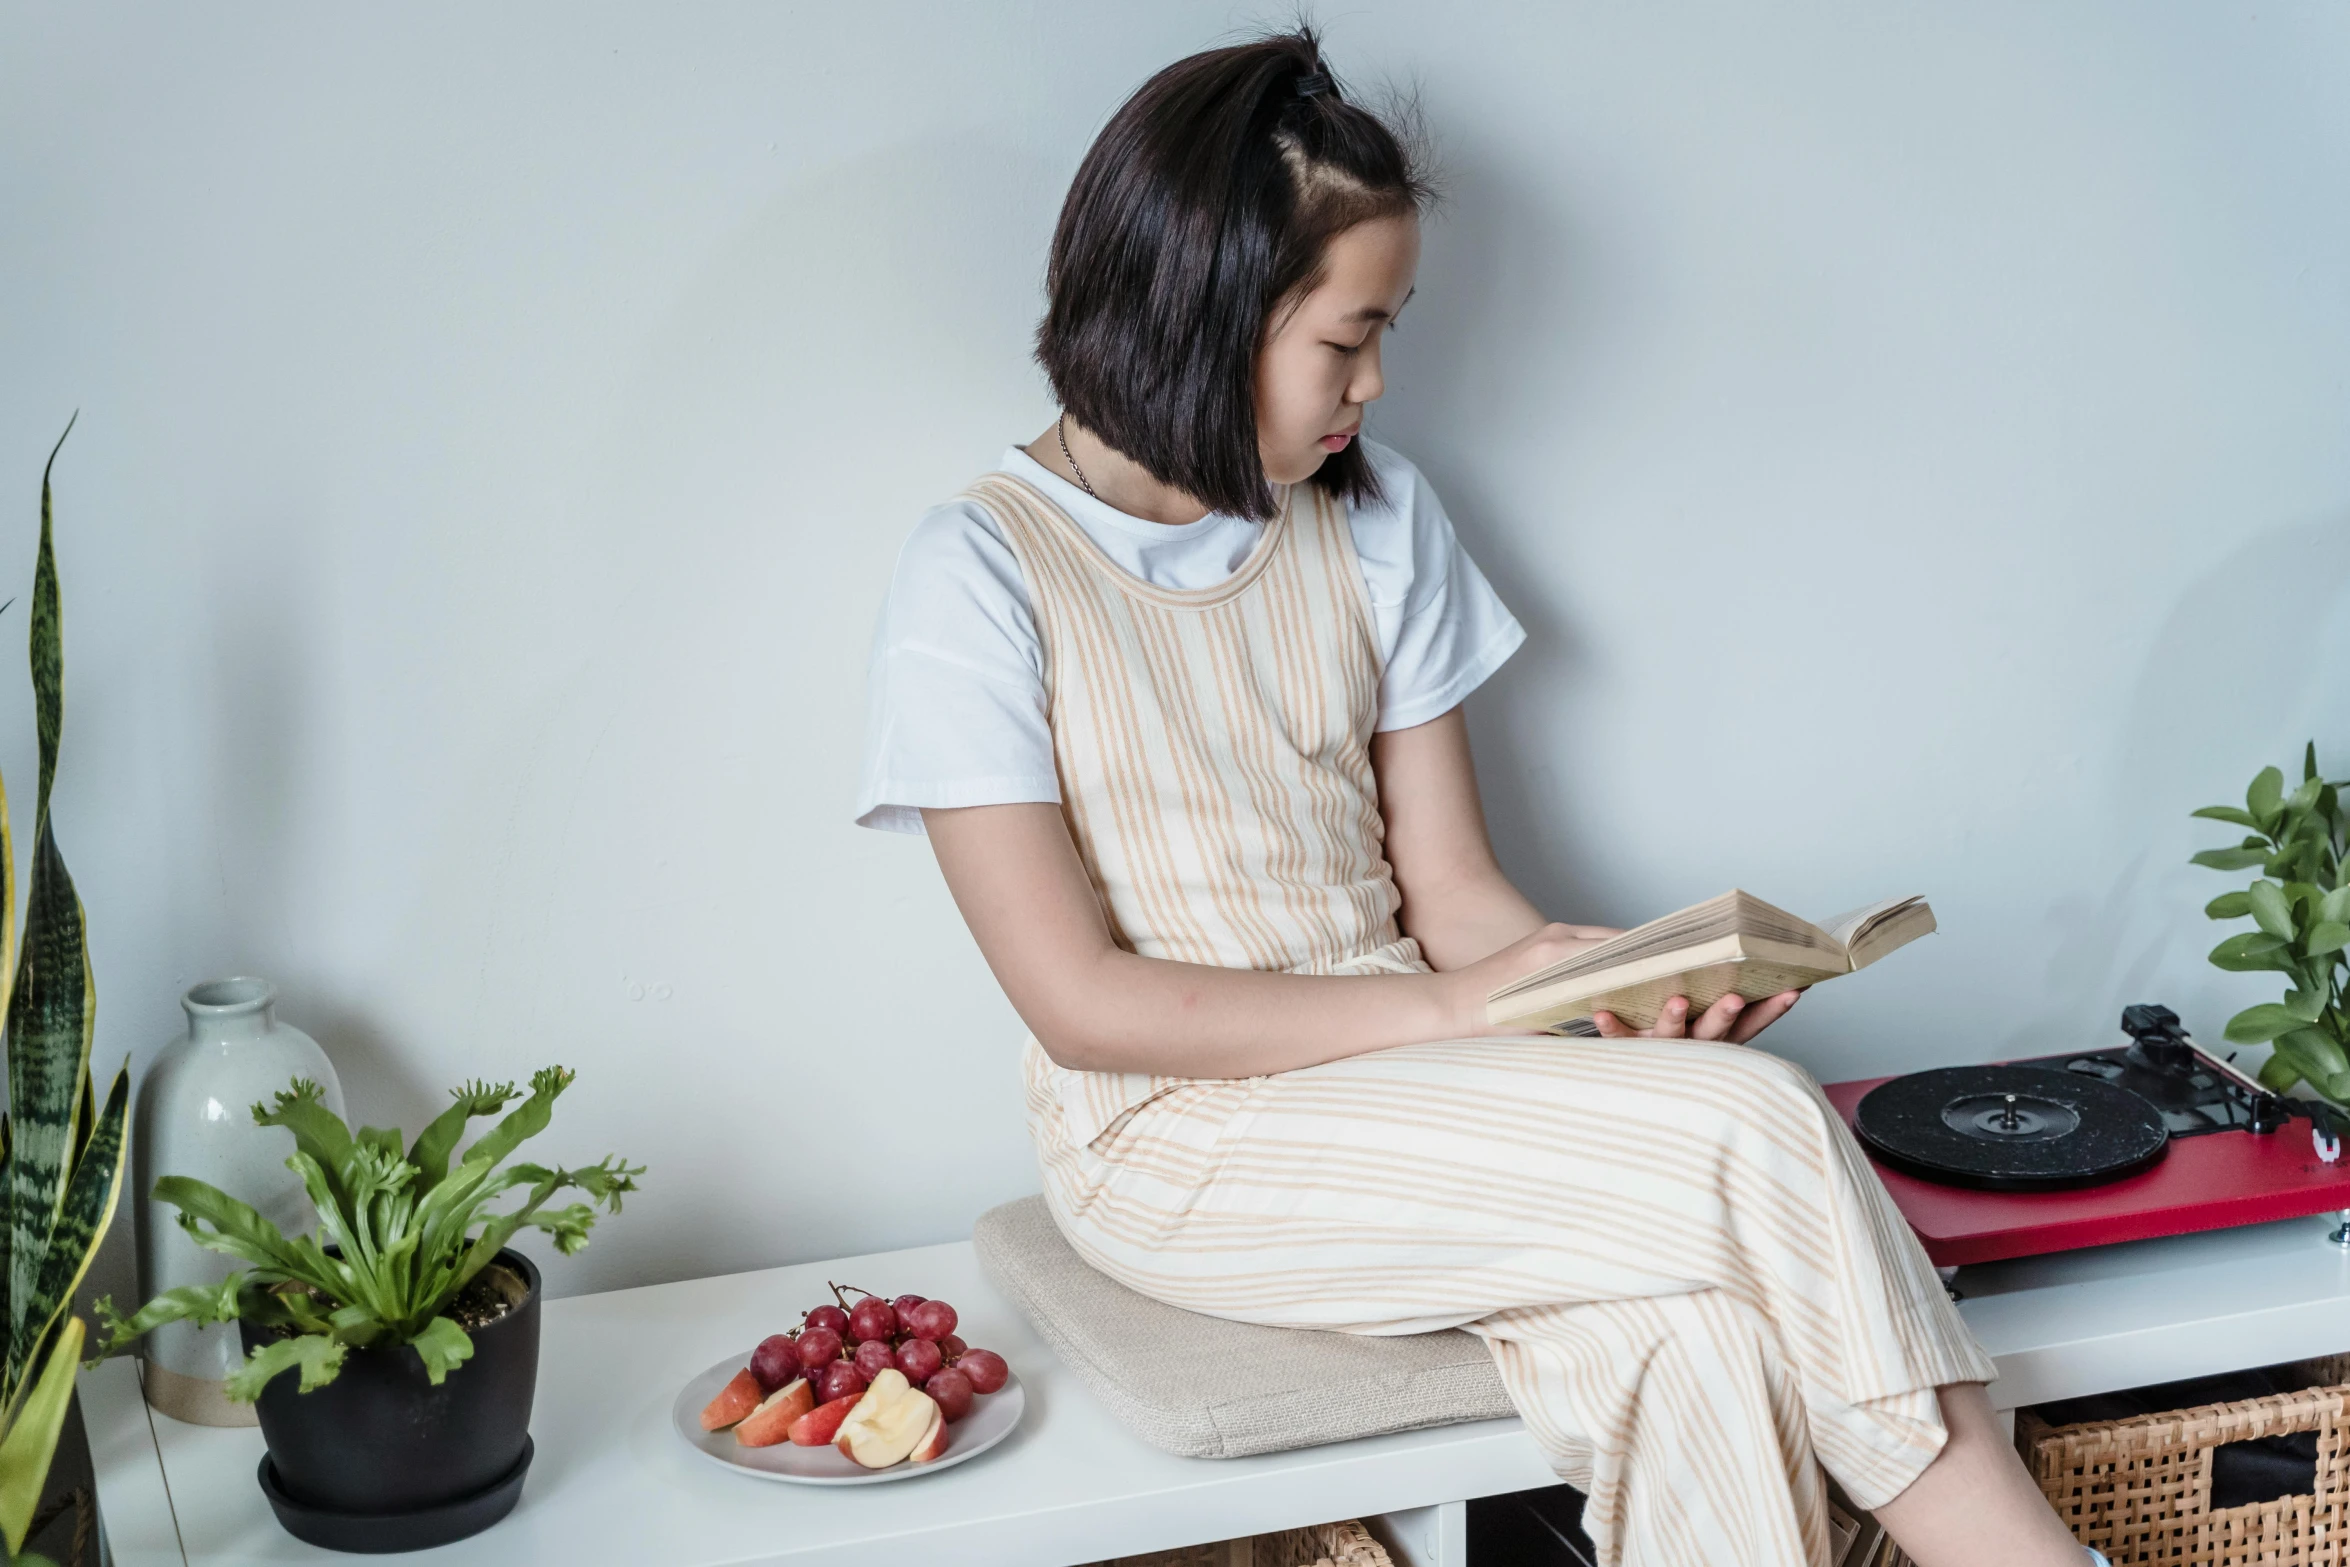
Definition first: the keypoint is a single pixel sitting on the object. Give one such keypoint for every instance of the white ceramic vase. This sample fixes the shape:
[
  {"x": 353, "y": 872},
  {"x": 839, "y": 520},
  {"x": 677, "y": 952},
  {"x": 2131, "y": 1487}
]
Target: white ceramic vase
[{"x": 195, "y": 1117}]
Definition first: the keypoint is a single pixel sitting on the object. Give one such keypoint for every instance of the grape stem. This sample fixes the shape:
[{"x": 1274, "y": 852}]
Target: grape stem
[{"x": 841, "y": 1299}]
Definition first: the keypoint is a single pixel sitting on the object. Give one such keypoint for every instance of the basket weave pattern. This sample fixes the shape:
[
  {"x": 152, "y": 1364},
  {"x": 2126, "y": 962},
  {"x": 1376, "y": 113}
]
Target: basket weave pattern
[
  {"x": 2140, "y": 1489},
  {"x": 1346, "y": 1544}
]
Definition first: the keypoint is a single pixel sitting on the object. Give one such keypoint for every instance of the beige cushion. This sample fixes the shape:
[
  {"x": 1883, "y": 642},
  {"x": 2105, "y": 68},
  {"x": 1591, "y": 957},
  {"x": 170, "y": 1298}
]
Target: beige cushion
[{"x": 1206, "y": 1388}]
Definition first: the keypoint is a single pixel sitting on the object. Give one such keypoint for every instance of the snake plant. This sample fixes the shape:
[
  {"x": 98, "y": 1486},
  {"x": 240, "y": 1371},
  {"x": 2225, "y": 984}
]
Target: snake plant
[
  {"x": 401, "y": 1226},
  {"x": 61, "y": 1153}
]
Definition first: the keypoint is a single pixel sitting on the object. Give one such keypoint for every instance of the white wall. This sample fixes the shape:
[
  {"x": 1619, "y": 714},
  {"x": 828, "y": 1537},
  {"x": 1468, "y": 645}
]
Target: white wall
[{"x": 1915, "y": 438}]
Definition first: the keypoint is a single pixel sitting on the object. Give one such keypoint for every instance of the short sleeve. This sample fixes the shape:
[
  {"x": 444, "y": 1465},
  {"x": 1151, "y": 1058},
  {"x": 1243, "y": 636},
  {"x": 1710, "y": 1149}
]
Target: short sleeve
[
  {"x": 1442, "y": 629},
  {"x": 955, "y": 699}
]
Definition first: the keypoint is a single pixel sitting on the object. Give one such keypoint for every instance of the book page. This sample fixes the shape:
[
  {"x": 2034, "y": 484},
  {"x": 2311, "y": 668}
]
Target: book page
[
  {"x": 1868, "y": 934},
  {"x": 1735, "y": 912}
]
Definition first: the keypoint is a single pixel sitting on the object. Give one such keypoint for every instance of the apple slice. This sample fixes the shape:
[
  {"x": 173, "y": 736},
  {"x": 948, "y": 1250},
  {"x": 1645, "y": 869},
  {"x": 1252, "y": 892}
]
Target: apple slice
[
  {"x": 887, "y": 1422},
  {"x": 934, "y": 1440},
  {"x": 735, "y": 1400},
  {"x": 817, "y": 1427},
  {"x": 772, "y": 1421}
]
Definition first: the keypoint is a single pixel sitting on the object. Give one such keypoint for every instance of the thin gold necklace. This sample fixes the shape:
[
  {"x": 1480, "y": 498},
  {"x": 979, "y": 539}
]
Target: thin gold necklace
[{"x": 1061, "y": 434}]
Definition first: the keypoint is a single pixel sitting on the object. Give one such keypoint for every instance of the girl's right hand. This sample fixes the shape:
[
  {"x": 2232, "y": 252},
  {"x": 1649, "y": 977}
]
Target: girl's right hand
[{"x": 1471, "y": 985}]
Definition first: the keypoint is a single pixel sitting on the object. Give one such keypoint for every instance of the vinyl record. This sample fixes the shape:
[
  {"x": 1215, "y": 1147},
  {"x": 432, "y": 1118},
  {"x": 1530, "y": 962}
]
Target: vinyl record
[{"x": 2010, "y": 1128}]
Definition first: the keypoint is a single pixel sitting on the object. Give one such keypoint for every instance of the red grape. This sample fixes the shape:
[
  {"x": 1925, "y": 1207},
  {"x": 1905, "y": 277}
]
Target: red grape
[
  {"x": 873, "y": 1357},
  {"x": 953, "y": 1392},
  {"x": 838, "y": 1379},
  {"x": 830, "y": 1317},
  {"x": 933, "y": 1320},
  {"x": 951, "y": 1347},
  {"x": 818, "y": 1346},
  {"x": 873, "y": 1318},
  {"x": 985, "y": 1368},
  {"x": 905, "y": 1303},
  {"x": 920, "y": 1360},
  {"x": 775, "y": 1362}
]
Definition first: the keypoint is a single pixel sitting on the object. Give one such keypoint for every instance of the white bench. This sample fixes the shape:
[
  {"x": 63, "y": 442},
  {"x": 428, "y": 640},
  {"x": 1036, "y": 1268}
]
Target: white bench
[{"x": 612, "y": 1483}]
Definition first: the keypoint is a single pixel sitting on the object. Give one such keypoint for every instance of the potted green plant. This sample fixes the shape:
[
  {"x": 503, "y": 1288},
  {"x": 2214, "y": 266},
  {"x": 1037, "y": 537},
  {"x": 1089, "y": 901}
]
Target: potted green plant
[
  {"x": 62, "y": 1153},
  {"x": 393, "y": 1356},
  {"x": 2299, "y": 906}
]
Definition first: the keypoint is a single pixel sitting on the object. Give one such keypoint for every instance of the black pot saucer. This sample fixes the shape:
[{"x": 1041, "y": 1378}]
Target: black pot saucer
[{"x": 382, "y": 1533}]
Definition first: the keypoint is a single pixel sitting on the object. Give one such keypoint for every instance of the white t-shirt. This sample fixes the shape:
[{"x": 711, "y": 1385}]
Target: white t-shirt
[{"x": 956, "y": 697}]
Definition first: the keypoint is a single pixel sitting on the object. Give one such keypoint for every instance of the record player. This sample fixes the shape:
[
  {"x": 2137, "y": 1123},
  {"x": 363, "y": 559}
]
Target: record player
[{"x": 2156, "y": 1137}]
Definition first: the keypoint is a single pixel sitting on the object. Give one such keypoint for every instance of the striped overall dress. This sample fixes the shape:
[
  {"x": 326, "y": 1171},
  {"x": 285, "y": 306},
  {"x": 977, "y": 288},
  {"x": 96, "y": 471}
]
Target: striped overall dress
[{"x": 1692, "y": 1284}]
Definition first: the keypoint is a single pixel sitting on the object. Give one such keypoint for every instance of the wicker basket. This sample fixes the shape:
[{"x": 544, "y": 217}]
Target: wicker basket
[
  {"x": 2140, "y": 1489},
  {"x": 1346, "y": 1544}
]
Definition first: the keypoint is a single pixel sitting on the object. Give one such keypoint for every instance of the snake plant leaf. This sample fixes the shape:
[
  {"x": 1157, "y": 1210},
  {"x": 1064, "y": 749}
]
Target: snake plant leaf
[
  {"x": 31, "y": 1438},
  {"x": 2266, "y": 797},
  {"x": 49, "y": 1022},
  {"x": 90, "y": 1198},
  {"x": 2230, "y": 859},
  {"x": 2257, "y": 1025},
  {"x": 316, "y": 1356},
  {"x": 444, "y": 1346}
]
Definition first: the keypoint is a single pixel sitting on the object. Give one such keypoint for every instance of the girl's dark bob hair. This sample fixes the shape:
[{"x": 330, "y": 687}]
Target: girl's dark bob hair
[{"x": 1202, "y": 209}]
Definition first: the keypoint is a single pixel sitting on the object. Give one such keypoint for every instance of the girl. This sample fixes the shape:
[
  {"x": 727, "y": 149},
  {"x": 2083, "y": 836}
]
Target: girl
[{"x": 1176, "y": 696}]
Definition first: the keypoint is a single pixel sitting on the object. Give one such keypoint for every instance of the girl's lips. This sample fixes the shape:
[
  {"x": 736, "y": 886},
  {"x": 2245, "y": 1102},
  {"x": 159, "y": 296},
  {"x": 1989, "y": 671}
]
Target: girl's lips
[{"x": 1337, "y": 443}]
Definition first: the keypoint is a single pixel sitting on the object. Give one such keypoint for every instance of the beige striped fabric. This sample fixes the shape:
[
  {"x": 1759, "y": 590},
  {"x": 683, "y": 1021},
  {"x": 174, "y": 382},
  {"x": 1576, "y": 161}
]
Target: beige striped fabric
[
  {"x": 1694, "y": 1288},
  {"x": 1213, "y": 747}
]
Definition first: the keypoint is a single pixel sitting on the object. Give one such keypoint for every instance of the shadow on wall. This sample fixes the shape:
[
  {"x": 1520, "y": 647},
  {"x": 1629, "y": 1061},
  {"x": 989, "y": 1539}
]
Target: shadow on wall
[{"x": 2250, "y": 663}]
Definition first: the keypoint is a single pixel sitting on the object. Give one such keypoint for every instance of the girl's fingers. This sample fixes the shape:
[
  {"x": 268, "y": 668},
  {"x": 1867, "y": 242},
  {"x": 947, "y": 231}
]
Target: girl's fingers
[
  {"x": 1611, "y": 1027},
  {"x": 1719, "y": 1018},
  {"x": 1762, "y": 1015},
  {"x": 1673, "y": 1021}
]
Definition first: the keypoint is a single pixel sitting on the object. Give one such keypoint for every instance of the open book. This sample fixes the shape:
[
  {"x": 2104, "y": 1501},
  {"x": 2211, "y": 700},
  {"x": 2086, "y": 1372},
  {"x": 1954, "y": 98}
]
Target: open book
[{"x": 1733, "y": 942}]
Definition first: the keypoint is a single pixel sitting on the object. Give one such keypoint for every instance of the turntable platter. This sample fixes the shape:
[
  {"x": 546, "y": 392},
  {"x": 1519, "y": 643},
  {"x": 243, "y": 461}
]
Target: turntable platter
[{"x": 2010, "y": 1128}]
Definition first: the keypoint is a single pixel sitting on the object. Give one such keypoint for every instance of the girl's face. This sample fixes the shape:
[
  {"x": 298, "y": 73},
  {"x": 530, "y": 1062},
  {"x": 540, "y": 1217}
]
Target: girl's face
[{"x": 1320, "y": 362}]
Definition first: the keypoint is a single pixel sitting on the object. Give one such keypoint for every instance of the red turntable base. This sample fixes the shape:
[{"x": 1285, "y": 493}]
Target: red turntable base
[{"x": 2208, "y": 1182}]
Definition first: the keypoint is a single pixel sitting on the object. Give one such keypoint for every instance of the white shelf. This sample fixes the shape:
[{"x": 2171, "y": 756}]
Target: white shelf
[{"x": 611, "y": 1483}]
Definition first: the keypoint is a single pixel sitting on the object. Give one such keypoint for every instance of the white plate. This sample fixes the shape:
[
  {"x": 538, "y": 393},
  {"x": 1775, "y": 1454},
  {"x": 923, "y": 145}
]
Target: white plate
[{"x": 992, "y": 1417}]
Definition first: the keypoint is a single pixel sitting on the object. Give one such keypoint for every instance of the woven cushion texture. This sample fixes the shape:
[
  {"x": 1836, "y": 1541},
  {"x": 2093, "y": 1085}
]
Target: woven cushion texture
[{"x": 1202, "y": 1387}]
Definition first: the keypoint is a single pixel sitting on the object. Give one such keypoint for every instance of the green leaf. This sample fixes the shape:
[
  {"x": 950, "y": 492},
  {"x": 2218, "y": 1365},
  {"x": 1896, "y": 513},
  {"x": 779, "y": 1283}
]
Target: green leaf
[
  {"x": 2307, "y": 1005},
  {"x": 2228, "y": 813},
  {"x": 2327, "y": 936},
  {"x": 31, "y": 1439},
  {"x": 318, "y": 1131},
  {"x": 2319, "y": 1054},
  {"x": 2230, "y": 859},
  {"x": 318, "y": 1358},
  {"x": 2258, "y": 1025},
  {"x": 2270, "y": 910},
  {"x": 2337, "y": 1087},
  {"x": 2300, "y": 801},
  {"x": 437, "y": 1142},
  {"x": 2265, "y": 799},
  {"x": 201, "y": 1304},
  {"x": 2250, "y": 951},
  {"x": 2278, "y": 1074},
  {"x": 2229, "y": 906},
  {"x": 2335, "y": 905},
  {"x": 2309, "y": 760},
  {"x": 49, "y": 1021},
  {"x": 82, "y": 1219},
  {"x": 444, "y": 1346}
]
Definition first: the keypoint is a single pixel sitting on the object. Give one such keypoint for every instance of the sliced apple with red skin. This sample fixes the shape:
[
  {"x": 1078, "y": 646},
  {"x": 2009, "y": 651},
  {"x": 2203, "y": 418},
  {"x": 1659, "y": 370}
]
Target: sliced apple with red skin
[
  {"x": 888, "y": 1421},
  {"x": 735, "y": 1400},
  {"x": 934, "y": 1440},
  {"x": 772, "y": 1421},
  {"x": 818, "y": 1426}
]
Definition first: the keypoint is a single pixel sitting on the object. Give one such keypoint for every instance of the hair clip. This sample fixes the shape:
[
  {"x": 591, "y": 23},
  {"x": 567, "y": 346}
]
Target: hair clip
[{"x": 1315, "y": 83}]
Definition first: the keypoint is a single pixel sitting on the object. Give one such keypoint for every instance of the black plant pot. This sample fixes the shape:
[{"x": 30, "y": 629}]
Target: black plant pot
[{"x": 381, "y": 1460}]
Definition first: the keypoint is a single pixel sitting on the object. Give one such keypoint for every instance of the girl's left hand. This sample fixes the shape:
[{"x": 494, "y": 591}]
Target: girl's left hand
[{"x": 1733, "y": 1019}]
